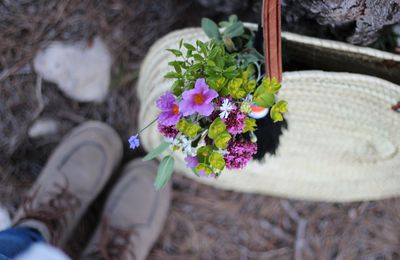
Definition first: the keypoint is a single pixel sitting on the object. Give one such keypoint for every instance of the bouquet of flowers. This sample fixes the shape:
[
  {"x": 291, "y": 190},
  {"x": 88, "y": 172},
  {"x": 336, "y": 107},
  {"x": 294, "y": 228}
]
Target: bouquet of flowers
[{"x": 219, "y": 90}]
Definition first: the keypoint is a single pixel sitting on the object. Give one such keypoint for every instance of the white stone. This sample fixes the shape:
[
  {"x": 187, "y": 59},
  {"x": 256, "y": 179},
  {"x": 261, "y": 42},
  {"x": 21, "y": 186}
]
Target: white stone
[
  {"x": 5, "y": 220},
  {"x": 42, "y": 127},
  {"x": 81, "y": 70}
]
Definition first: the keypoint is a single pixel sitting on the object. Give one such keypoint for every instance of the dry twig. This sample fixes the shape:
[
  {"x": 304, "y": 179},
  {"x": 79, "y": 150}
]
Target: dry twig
[{"x": 301, "y": 242}]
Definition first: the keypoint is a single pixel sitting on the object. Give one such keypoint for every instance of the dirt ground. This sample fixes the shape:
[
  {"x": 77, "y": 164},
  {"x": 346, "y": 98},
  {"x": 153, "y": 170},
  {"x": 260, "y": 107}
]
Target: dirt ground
[{"x": 204, "y": 223}]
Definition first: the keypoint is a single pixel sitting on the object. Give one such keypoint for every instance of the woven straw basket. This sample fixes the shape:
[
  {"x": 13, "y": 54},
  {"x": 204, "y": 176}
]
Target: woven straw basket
[{"x": 342, "y": 141}]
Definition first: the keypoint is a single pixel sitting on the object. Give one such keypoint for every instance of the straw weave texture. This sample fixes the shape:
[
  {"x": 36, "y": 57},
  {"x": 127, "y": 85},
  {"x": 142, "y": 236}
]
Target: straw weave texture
[{"x": 342, "y": 143}]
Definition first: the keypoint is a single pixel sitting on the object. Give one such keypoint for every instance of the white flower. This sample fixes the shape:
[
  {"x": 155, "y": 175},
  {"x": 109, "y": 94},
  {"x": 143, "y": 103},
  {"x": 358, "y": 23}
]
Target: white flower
[
  {"x": 249, "y": 98},
  {"x": 185, "y": 144},
  {"x": 190, "y": 151},
  {"x": 226, "y": 108}
]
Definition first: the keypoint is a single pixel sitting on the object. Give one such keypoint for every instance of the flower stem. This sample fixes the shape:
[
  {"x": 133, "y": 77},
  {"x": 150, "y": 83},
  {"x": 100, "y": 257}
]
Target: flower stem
[{"x": 147, "y": 126}]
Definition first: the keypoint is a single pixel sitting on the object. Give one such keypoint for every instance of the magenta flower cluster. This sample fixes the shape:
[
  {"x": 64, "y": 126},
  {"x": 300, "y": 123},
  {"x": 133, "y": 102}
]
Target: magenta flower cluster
[
  {"x": 240, "y": 152},
  {"x": 167, "y": 131},
  {"x": 235, "y": 122}
]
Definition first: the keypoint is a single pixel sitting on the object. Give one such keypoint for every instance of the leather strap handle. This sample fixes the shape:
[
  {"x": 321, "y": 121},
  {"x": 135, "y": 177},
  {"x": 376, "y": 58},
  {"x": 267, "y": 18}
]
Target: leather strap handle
[{"x": 271, "y": 23}]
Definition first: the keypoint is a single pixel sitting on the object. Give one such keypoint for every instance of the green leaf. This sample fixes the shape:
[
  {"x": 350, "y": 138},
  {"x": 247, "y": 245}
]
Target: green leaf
[
  {"x": 219, "y": 61},
  {"x": 176, "y": 66},
  {"x": 217, "y": 160},
  {"x": 249, "y": 125},
  {"x": 250, "y": 86},
  {"x": 203, "y": 167},
  {"x": 204, "y": 150},
  {"x": 234, "y": 30},
  {"x": 230, "y": 74},
  {"x": 180, "y": 43},
  {"x": 211, "y": 63},
  {"x": 172, "y": 75},
  {"x": 229, "y": 44},
  {"x": 192, "y": 130},
  {"x": 214, "y": 52},
  {"x": 156, "y": 151},
  {"x": 204, "y": 49},
  {"x": 271, "y": 85},
  {"x": 198, "y": 57},
  {"x": 235, "y": 88},
  {"x": 177, "y": 87},
  {"x": 218, "y": 83},
  {"x": 263, "y": 98},
  {"x": 196, "y": 67},
  {"x": 223, "y": 24},
  {"x": 217, "y": 127},
  {"x": 221, "y": 141},
  {"x": 231, "y": 68},
  {"x": 246, "y": 107},
  {"x": 177, "y": 53},
  {"x": 182, "y": 125},
  {"x": 188, "y": 128},
  {"x": 211, "y": 29},
  {"x": 203, "y": 153},
  {"x": 233, "y": 18},
  {"x": 250, "y": 70},
  {"x": 189, "y": 46},
  {"x": 248, "y": 58},
  {"x": 164, "y": 172},
  {"x": 277, "y": 110},
  {"x": 199, "y": 43}
]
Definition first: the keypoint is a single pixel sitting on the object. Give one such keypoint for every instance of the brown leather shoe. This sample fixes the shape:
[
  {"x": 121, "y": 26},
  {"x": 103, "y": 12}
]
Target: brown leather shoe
[
  {"x": 73, "y": 176},
  {"x": 133, "y": 216}
]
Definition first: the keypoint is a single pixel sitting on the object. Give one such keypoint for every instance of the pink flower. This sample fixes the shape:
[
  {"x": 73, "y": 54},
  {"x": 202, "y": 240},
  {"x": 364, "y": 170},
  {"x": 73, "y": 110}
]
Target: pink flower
[
  {"x": 198, "y": 99},
  {"x": 167, "y": 131},
  {"x": 235, "y": 121},
  {"x": 170, "y": 113},
  {"x": 240, "y": 152}
]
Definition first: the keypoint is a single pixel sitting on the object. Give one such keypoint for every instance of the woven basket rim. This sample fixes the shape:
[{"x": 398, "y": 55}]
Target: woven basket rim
[{"x": 332, "y": 44}]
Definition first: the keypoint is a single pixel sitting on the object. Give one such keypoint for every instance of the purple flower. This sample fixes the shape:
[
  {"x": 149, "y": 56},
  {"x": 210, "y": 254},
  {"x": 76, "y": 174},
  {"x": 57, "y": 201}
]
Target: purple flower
[
  {"x": 191, "y": 161},
  {"x": 203, "y": 173},
  {"x": 134, "y": 142},
  {"x": 167, "y": 131},
  {"x": 235, "y": 121},
  {"x": 240, "y": 152},
  {"x": 198, "y": 99},
  {"x": 170, "y": 113}
]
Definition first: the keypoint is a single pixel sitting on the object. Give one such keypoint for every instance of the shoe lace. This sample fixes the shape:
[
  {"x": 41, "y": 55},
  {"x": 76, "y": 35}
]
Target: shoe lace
[
  {"x": 114, "y": 244},
  {"x": 53, "y": 212}
]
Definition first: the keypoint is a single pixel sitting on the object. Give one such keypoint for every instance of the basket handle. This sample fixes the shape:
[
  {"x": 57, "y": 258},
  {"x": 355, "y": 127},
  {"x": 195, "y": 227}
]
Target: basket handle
[{"x": 271, "y": 23}]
